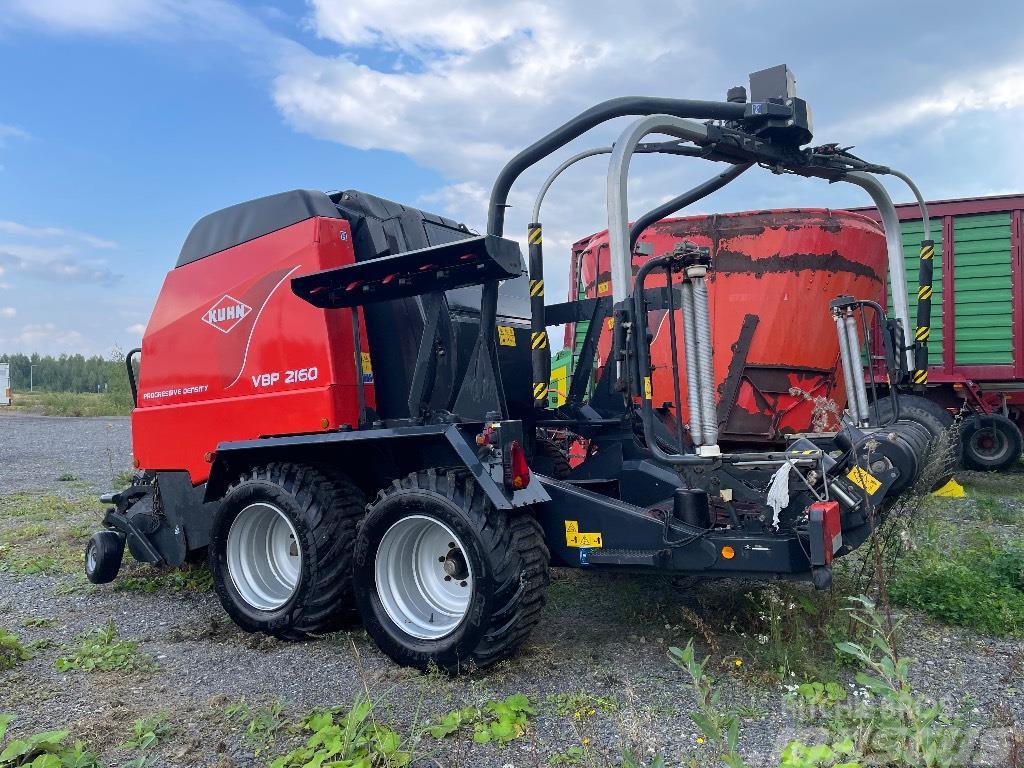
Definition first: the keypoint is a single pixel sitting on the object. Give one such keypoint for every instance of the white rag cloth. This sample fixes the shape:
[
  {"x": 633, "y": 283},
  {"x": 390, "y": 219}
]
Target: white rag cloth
[{"x": 778, "y": 491}]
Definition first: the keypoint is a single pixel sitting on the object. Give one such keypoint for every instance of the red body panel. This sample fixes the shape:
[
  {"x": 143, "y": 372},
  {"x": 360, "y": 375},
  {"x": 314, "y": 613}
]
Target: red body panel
[
  {"x": 230, "y": 353},
  {"x": 784, "y": 267}
]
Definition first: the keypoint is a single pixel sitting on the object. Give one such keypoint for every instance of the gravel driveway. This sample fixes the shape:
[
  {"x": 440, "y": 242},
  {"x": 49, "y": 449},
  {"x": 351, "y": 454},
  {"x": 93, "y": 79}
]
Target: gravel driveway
[
  {"x": 602, "y": 638},
  {"x": 37, "y": 450}
]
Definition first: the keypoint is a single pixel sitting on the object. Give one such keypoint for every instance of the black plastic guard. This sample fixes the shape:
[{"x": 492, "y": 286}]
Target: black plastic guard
[{"x": 472, "y": 261}]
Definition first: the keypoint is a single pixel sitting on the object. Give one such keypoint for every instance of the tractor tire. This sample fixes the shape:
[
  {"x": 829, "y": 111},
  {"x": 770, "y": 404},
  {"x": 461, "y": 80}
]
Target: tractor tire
[
  {"x": 550, "y": 460},
  {"x": 443, "y": 578},
  {"x": 942, "y": 457},
  {"x": 103, "y": 554},
  {"x": 990, "y": 442},
  {"x": 281, "y": 550}
]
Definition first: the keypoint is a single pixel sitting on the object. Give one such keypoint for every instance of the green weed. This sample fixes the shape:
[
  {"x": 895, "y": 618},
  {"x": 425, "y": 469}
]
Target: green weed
[
  {"x": 263, "y": 723},
  {"x": 38, "y": 621},
  {"x": 43, "y": 750},
  {"x": 147, "y": 733},
  {"x": 12, "y": 651},
  {"x": 496, "y": 721},
  {"x": 900, "y": 728},
  {"x": 100, "y": 650},
  {"x": 351, "y": 739},
  {"x": 581, "y": 704}
]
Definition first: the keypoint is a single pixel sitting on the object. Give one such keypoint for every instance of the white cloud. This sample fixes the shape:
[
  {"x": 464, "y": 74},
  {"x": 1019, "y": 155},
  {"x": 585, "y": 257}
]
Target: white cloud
[
  {"x": 136, "y": 329},
  {"x": 22, "y": 230},
  {"x": 44, "y": 338},
  {"x": 990, "y": 90},
  {"x": 475, "y": 81},
  {"x": 103, "y": 16},
  {"x": 8, "y": 312},
  {"x": 11, "y": 132}
]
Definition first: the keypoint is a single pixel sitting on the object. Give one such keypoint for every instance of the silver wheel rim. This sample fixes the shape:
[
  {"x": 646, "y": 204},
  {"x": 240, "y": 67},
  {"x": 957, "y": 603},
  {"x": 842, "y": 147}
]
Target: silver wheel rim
[
  {"x": 264, "y": 556},
  {"x": 423, "y": 577},
  {"x": 90, "y": 558}
]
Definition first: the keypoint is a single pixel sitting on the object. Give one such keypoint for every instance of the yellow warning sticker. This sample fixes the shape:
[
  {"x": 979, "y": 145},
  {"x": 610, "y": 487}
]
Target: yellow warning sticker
[
  {"x": 365, "y": 359},
  {"x": 611, "y": 323},
  {"x": 647, "y": 388},
  {"x": 604, "y": 287},
  {"x": 506, "y": 335},
  {"x": 573, "y": 537},
  {"x": 864, "y": 479}
]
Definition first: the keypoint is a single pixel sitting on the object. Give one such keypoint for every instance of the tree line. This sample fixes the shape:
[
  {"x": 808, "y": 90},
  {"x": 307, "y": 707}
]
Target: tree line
[{"x": 66, "y": 373}]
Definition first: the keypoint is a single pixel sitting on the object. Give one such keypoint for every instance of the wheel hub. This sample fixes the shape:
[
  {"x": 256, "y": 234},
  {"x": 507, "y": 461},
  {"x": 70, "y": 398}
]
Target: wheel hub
[{"x": 455, "y": 565}]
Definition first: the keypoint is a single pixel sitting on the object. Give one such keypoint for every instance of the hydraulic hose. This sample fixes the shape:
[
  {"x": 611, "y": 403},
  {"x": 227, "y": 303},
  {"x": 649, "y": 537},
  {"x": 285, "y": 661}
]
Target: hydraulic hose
[
  {"x": 924, "y": 286},
  {"x": 676, "y": 204}
]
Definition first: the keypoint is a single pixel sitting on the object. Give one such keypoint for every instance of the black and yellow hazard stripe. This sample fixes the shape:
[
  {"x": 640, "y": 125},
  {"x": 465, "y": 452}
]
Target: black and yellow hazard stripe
[
  {"x": 924, "y": 313},
  {"x": 540, "y": 355}
]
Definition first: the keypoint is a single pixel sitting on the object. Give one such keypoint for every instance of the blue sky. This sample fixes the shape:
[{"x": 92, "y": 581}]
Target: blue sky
[{"x": 123, "y": 121}]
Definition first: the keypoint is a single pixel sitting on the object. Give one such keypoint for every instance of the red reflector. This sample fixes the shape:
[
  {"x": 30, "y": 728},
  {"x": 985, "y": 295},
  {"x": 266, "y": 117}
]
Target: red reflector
[
  {"x": 831, "y": 527},
  {"x": 520, "y": 469}
]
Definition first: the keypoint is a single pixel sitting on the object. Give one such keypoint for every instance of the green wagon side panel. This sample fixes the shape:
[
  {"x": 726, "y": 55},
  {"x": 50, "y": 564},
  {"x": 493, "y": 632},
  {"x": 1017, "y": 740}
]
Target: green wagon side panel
[
  {"x": 983, "y": 291},
  {"x": 912, "y": 232}
]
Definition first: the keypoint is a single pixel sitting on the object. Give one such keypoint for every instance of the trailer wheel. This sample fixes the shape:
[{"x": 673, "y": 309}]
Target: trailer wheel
[
  {"x": 990, "y": 442},
  {"x": 550, "y": 460},
  {"x": 281, "y": 550},
  {"x": 933, "y": 417},
  {"x": 103, "y": 554},
  {"x": 443, "y": 577}
]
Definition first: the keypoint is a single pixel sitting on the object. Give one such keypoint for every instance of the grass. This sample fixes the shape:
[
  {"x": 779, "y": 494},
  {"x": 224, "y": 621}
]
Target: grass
[
  {"x": 968, "y": 566},
  {"x": 69, "y": 404},
  {"x": 44, "y": 533},
  {"x": 136, "y": 577},
  {"x": 101, "y": 650}
]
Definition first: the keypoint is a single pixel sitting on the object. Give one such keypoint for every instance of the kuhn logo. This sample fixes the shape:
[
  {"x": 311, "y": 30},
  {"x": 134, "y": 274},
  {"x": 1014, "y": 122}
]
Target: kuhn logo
[{"x": 227, "y": 313}]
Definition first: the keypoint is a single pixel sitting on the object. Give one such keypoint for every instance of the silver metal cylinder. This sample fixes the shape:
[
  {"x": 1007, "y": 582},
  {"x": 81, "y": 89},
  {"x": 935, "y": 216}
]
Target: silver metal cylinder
[
  {"x": 692, "y": 373},
  {"x": 705, "y": 364},
  {"x": 848, "y": 376},
  {"x": 853, "y": 340}
]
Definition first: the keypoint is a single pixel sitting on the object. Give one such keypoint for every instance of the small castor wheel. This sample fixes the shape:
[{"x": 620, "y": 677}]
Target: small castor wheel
[
  {"x": 103, "y": 554},
  {"x": 821, "y": 576}
]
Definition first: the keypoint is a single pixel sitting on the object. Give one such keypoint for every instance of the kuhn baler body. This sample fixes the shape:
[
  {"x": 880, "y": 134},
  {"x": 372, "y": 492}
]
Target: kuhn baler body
[
  {"x": 231, "y": 354},
  {"x": 776, "y": 354},
  {"x": 342, "y": 400}
]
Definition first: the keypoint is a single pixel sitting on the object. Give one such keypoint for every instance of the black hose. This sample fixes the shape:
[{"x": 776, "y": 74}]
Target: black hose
[{"x": 699, "y": 192}]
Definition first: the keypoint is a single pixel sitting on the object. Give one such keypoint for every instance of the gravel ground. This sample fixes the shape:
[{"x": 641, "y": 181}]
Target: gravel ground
[
  {"x": 36, "y": 450},
  {"x": 603, "y": 635}
]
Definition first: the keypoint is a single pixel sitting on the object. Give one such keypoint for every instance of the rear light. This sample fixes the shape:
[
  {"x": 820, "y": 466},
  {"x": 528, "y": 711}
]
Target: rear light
[
  {"x": 826, "y": 531},
  {"x": 516, "y": 469}
]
